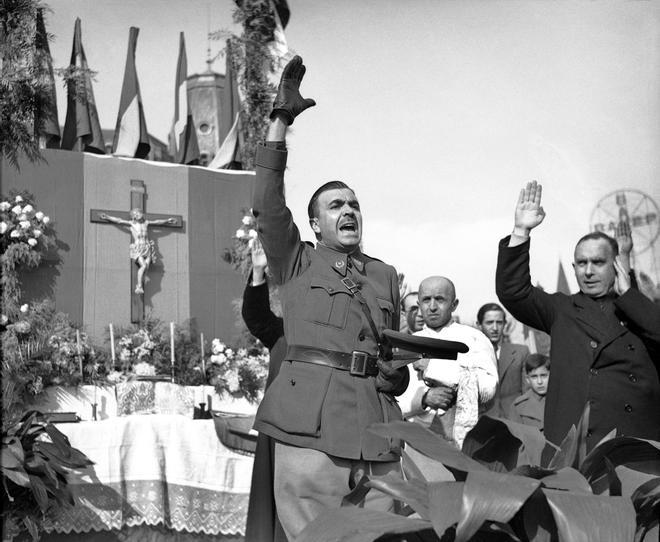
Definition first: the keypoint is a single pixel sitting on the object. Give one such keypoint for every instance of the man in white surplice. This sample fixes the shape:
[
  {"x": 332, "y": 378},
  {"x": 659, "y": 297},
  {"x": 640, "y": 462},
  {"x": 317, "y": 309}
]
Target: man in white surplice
[{"x": 448, "y": 395}]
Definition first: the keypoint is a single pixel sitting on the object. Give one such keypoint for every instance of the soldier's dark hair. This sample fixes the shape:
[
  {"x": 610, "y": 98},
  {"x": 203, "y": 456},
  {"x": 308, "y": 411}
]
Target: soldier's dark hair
[
  {"x": 600, "y": 236},
  {"x": 486, "y": 308},
  {"x": 312, "y": 207},
  {"x": 534, "y": 361}
]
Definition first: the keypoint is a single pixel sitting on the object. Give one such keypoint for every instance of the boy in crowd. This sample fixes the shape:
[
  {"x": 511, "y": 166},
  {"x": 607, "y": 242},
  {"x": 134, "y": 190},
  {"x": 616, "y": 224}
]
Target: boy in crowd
[{"x": 528, "y": 408}]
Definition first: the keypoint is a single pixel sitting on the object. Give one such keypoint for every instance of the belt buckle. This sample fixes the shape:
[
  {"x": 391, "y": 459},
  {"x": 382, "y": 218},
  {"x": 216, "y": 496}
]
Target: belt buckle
[{"x": 359, "y": 363}]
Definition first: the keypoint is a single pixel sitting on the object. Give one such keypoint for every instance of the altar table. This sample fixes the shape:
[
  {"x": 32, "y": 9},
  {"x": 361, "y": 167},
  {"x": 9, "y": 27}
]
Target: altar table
[{"x": 155, "y": 470}]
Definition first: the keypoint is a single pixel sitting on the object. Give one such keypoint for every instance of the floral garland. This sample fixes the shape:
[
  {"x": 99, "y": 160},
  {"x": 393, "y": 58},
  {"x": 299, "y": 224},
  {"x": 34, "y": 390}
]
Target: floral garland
[
  {"x": 239, "y": 253},
  {"x": 25, "y": 235}
]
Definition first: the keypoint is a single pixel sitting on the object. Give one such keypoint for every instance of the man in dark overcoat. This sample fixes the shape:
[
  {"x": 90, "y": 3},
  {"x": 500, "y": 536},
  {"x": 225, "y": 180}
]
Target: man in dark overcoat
[
  {"x": 605, "y": 339},
  {"x": 334, "y": 382}
]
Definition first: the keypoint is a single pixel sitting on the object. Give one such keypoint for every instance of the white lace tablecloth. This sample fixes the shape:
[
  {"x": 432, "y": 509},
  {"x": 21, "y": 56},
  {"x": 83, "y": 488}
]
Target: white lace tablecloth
[{"x": 152, "y": 470}]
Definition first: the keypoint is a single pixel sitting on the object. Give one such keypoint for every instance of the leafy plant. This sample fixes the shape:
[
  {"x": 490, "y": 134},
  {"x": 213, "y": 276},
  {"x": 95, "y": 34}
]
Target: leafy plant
[
  {"x": 36, "y": 458},
  {"x": 611, "y": 493}
]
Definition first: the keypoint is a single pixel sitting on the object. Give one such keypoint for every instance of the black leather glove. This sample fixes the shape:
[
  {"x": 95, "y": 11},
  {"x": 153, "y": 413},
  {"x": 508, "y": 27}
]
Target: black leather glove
[
  {"x": 289, "y": 103},
  {"x": 389, "y": 380}
]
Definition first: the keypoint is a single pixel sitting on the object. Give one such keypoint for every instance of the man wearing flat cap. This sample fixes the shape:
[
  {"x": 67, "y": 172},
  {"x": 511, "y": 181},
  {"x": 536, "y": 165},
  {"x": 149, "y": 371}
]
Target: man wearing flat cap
[{"x": 335, "y": 380}]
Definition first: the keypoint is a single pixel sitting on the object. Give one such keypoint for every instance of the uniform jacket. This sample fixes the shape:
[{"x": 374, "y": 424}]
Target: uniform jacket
[
  {"x": 604, "y": 351},
  {"x": 510, "y": 368},
  {"x": 310, "y": 405},
  {"x": 528, "y": 409}
]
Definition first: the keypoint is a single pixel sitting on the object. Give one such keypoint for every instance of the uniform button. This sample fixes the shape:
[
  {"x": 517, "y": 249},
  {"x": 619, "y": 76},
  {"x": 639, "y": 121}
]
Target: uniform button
[
  {"x": 293, "y": 382},
  {"x": 593, "y": 344},
  {"x": 361, "y": 337},
  {"x": 331, "y": 289},
  {"x": 589, "y": 432},
  {"x": 628, "y": 408},
  {"x": 632, "y": 377},
  {"x": 349, "y": 265},
  {"x": 594, "y": 372},
  {"x": 631, "y": 347}
]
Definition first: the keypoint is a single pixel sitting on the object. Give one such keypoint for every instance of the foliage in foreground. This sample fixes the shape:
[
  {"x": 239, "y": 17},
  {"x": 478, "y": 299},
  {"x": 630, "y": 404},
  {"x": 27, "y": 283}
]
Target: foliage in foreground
[
  {"x": 611, "y": 494},
  {"x": 36, "y": 458}
]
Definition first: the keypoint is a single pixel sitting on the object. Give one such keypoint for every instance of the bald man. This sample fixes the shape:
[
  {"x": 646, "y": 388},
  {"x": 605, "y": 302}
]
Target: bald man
[{"x": 452, "y": 393}]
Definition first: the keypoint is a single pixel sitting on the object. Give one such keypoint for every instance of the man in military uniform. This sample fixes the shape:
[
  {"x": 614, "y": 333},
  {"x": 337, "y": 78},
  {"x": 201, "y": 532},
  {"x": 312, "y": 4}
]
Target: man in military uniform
[{"x": 336, "y": 301}]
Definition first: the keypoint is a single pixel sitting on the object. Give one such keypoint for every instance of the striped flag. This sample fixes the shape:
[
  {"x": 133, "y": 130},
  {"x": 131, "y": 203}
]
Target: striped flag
[
  {"x": 47, "y": 127},
  {"x": 82, "y": 129},
  {"x": 183, "y": 136},
  {"x": 131, "y": 136},
  {"x": 228, "y": 156}
]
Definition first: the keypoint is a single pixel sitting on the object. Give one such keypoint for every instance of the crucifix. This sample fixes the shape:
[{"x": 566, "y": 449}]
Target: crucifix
[{"x": 141, "y": 250}]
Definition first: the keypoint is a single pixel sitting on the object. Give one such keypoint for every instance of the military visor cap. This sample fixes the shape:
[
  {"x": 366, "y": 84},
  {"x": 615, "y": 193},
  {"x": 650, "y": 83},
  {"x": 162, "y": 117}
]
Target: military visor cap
[{"x": 413, "y": 347}]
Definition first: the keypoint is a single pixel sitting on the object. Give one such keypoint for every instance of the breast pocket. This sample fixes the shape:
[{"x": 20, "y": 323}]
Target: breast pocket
[
  {"x": 387, "y": 310},
  {"x": 327, "y": 303}
]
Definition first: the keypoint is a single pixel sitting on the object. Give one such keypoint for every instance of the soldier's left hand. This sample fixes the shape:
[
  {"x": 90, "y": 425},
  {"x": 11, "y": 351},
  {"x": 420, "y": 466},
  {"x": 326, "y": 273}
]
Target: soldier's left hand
[{"x": 388, "y": 378}]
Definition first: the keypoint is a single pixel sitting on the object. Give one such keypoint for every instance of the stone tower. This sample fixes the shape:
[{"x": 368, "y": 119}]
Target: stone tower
[{"x": 205, "y": 98}]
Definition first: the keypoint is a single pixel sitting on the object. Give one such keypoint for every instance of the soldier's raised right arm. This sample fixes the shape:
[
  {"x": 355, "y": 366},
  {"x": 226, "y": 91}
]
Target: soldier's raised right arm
[{"x": 278, "y": 234}]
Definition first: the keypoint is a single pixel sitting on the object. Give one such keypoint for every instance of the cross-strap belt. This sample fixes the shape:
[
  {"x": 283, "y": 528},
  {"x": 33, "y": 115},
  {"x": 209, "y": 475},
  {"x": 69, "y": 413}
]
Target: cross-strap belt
[
  {"x": 357, "y": 363},
  {"x": 383, "y": 349}
]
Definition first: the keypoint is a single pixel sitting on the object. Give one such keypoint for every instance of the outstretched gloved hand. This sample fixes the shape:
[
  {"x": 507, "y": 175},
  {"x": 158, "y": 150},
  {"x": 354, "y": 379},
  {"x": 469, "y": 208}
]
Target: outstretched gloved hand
[{"x": 289, "y": 103}]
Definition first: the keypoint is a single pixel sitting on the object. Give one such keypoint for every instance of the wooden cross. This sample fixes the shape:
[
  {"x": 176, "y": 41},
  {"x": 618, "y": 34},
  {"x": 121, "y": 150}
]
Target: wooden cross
[{"x": 138, "y": 193}]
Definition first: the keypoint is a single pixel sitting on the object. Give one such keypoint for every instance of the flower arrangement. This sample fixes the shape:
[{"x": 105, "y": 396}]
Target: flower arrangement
[
  {"x": 240, "y": 372},
  {"x": 239, "y": 254},
  {"x": 25, "y": 235}
]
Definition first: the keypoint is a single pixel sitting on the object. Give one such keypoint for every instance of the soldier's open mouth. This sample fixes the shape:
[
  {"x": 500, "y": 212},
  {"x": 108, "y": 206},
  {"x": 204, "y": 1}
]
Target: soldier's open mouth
[{"x": 348, "y": 227}]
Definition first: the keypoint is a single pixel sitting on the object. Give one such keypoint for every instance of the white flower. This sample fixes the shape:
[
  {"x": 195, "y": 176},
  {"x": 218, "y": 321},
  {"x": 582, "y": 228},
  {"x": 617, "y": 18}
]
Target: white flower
[
  {"x": 217, "y": 346},
  {"x": 247, "y": 220},
  {"x": 28, "y": 208},
  {"x": 39, "y": 215},
  {"x": 24, "y": 308},
  {"x": 46, "y": 220},
  {"x": 4, "y": 319},
  {"x": 14, "y": 234},
  {"x": 32, "y": 242},
  {"x": 144, "y": 368},
  {"x": 5, "y": 206},
  {"x": 17, "y": 209},
  {"x": 22, "y": 217},
  {"x": 233, "y": 382},
  {"x": 18, "y": 199},
  {"x": 37, "y": 233},
  {"x": 218, "y": 359},
  {"x": 25, "y": 224},
  {"x": 252, "y": 234},
  {"x": 229, "y": 352},
  {"x": 3, "y": 227},
  {"x": 242, "y": 352},
  {"x": 240, "y": 234}
]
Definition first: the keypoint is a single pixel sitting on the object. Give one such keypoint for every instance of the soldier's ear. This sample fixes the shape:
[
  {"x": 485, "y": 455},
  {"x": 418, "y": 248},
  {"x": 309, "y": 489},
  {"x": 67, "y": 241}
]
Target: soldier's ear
[{"x": 314, "y": 223}]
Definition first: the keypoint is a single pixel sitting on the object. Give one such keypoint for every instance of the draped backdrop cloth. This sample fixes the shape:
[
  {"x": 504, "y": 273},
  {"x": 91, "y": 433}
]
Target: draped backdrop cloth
[{"x": 157, "y": 470}]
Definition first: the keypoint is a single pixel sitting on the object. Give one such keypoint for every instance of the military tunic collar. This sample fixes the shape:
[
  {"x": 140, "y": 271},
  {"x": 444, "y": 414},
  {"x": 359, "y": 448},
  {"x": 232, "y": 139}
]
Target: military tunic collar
[{"x": 341, "y": 262}]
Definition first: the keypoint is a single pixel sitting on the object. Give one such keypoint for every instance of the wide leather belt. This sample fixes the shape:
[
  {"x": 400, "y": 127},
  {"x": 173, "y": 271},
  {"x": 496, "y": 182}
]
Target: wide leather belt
[{"x": 357, "y": 363}]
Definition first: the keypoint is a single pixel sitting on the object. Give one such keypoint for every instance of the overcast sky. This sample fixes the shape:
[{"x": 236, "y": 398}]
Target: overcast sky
[{"x": 436, "y": 112}]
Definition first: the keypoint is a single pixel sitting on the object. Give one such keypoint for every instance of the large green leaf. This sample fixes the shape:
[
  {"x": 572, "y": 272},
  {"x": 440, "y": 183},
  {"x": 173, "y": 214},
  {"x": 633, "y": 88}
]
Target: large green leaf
[
  {"x": 73, "y": 459},
  {"x": 498, "y": 441},
  {"x": 10, "y": 459},
  {"x": 567, "y": 479},
  {"x": 58, "y": 438},
  {"x": 634, "y": 453},
  {"x": 445, "y": 499},
  {"x": 17, "y": 475},
  {"x": 412, "y": 492},
  {"x": 32, "y": 527},
  {"x": 591, "y": 518},
  {"x": 358, "y": 525},
  {"x": 537, "y": 519},
  {"x": 646, "y": 500},
  {"x": 13, "y": 445},
  {"x": 428, "y": 443},
  {"x": 567, "y": 453},
  {"x": 491, "y": 496},
  {"x": 39, "y": 492}
]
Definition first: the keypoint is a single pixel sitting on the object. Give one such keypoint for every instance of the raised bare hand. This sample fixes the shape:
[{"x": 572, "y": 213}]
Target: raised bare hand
[
  {"x": 622, "y": 279},
  {"x": 529, "y": 212},
  {"x": 440, "y": 397},
  {"x": 258, "y": 256}
]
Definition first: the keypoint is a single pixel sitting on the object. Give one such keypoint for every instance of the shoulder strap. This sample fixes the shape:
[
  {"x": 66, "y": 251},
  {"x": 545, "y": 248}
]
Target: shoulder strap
[{"x": 354, "y": 290}]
